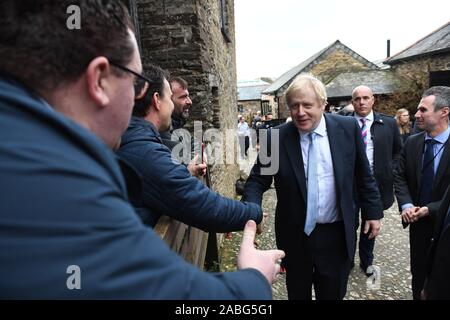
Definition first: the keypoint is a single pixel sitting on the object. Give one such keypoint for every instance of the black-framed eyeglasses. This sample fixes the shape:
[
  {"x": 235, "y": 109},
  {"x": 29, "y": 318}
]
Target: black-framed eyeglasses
[{"x": 139, "y": 80}]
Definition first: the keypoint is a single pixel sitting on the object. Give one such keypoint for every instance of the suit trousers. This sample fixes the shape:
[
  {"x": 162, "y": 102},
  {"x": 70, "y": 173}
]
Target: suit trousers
[
  {"x": 420, "y": 234},
  {"x": 366, "y": 247},
  {"x": 324, "y": 264}
]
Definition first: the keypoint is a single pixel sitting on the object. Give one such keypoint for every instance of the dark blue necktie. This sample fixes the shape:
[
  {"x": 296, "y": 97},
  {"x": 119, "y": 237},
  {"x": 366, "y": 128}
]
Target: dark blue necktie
[{"x": 426, "y": 186}]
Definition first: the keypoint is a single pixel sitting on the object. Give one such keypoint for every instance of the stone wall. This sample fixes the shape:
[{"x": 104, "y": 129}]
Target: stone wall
[
  {"x": 282, "y": 105},
  {"x": 185, "y": 37},
  {"x": 418, "y": 71},
  {"x": 388, "y": 104}
]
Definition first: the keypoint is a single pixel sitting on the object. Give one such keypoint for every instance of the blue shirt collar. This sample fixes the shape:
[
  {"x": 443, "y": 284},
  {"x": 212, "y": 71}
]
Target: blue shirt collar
[
  {"x": 321, "y": 129},
  {"x": 441, "y": 138}
]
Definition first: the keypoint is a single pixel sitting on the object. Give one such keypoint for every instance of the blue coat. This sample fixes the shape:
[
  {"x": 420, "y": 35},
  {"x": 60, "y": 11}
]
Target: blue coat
[
  {"x": 169, "y": 189},
  {"x": 63, "y": 202}
]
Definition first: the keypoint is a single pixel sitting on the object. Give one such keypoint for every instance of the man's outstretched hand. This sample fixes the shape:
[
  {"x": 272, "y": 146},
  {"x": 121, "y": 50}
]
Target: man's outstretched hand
[{"x": 265, "y": 261}]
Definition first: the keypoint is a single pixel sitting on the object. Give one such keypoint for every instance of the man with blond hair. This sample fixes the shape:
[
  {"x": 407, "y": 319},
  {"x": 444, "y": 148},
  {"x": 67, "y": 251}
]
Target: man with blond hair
[{"x": 322, "y": 165}]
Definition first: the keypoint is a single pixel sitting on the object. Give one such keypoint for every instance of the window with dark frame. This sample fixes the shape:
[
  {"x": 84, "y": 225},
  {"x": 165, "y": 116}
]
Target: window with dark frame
[
  {"x": 439, "y": 78},
  {"x": 265, "y": 107},
  {"x": 224, "y": 20}
]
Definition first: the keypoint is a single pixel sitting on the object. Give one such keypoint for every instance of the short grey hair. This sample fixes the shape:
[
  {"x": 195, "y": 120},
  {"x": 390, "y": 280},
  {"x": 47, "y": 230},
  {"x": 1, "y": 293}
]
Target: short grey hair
[{"x": 441, "y": 94}]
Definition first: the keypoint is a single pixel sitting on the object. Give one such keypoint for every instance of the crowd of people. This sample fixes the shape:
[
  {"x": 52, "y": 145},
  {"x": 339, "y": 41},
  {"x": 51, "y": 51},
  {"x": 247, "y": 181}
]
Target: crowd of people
[
  {"x": 87, "y": 171},
  {"x": 61, "y": 120}
]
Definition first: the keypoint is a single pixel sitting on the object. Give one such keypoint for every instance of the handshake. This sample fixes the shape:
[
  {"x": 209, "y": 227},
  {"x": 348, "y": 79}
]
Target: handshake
[{"x": 412, "y": 214}]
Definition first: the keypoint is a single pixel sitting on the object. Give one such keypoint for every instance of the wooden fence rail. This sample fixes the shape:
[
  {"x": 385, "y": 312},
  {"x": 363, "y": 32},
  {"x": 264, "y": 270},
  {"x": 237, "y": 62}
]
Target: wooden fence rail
[{"x": 195, "y": 246}]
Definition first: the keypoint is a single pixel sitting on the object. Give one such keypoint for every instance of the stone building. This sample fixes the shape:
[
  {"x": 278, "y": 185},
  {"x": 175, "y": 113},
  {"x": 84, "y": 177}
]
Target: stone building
[
  {"x": 387, "y": 87},
  {"x": 326, "y": 64},
  {"x": 195, "y": 40},
  {"x": 397, "y": 82},
  {"x": 251, "y": 99},
  {"x": 425, "y": 63}
]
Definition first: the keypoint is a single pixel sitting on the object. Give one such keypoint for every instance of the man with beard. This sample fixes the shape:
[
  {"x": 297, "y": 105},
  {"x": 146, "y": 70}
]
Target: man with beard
[{"x": 168, "y": 187}]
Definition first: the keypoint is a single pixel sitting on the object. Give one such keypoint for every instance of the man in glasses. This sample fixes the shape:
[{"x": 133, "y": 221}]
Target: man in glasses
[{"x": 67, "y": 230}]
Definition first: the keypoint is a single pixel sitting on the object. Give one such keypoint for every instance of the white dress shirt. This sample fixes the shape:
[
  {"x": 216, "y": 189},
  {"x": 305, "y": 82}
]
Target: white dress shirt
[{"x": 328, "y": 211}]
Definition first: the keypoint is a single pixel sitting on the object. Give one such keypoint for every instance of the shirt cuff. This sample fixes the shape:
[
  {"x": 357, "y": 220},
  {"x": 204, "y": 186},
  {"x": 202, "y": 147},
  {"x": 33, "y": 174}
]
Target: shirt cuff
[{"x": 407, "y": 205}]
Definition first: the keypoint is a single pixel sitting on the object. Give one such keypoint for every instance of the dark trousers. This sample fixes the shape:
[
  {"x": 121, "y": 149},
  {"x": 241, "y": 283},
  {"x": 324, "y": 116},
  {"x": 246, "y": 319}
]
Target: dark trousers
[
  {"x": 244, "y": 144},
  {"x": 324, "y": 264},
  {"x": 420, "y": 234},
  {"x": 366, "y": 246}
]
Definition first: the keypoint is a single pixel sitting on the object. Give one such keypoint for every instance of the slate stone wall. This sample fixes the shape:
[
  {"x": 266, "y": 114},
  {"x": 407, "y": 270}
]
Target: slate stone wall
[{"x": 186, "y": 38}]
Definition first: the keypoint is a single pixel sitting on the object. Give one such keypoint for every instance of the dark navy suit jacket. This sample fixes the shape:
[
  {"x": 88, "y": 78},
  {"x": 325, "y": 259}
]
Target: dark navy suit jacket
[
  {"x": 438, "y": 282},
  {"x": 387, "y": 145},
  {"x": 351, "y": 173}
]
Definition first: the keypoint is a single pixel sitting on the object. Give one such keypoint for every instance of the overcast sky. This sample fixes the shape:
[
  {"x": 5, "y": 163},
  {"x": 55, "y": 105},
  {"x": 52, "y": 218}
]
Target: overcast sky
[{"x": 273, "y": 36}]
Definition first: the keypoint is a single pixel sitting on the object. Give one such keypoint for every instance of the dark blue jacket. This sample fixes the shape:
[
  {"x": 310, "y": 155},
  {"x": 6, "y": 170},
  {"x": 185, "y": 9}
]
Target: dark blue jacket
[
  {"x": 63, "y": 202},
  {"x": 169, "y": 189}
]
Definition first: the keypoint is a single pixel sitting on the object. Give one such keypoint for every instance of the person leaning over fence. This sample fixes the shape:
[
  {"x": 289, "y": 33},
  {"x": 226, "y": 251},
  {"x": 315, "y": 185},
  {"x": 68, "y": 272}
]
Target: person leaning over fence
[
  {"x": 65, "y": 99},
  {"x": 168, "y": 187}
]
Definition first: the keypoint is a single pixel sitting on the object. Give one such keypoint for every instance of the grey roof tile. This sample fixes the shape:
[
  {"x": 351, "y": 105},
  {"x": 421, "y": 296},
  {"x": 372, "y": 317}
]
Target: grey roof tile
[
  {"x": 380, "y": 81},
  {"x": 435, "y": 42},
  {"x": 246, "y": 93},
  {"x": 306, "y": 65}
]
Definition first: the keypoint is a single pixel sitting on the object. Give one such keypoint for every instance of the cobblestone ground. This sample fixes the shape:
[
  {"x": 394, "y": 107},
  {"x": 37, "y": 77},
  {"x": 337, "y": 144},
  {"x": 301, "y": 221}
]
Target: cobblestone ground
[{"x": 391, "y": 256}]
